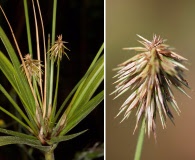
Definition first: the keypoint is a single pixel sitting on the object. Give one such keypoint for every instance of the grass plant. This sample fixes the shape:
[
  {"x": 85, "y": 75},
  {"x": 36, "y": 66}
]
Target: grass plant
[{"x": 32, "y": 78}]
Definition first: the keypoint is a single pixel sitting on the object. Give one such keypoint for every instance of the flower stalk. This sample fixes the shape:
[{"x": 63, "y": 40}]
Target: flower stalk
[{"x": 140, "y": 141}]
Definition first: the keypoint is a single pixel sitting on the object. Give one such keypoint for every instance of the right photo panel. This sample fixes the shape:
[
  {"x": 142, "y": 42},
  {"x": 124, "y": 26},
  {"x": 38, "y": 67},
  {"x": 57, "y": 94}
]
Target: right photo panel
[{"x": 150, "y": 106}]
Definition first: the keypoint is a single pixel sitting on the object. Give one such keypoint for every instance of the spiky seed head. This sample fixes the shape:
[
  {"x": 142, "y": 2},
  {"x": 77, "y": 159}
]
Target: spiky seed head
[
  {"x": 149, "y": 75},
  {"x": 33, "y": 67},
  {"x": 58, "y": 49}
]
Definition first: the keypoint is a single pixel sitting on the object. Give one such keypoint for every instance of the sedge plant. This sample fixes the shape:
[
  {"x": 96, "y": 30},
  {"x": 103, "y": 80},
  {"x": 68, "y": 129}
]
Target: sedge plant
[
  {"x": 150, "y": 77},
  {"x": 44, "y": 124}
]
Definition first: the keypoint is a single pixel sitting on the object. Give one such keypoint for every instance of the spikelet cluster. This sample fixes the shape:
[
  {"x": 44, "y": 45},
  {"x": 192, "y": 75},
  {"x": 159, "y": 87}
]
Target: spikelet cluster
[
  {"x": 33, "y": 67},
  {"x": 58, "y": 49},
  {"x": 149, "y": 76}
]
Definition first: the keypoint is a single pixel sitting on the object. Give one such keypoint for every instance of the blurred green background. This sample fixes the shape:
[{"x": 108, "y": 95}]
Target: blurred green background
[{"x": 173, "y": 20}]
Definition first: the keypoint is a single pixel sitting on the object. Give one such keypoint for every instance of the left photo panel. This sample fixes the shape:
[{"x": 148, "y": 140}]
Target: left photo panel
[{"x": 52, "y": 80}]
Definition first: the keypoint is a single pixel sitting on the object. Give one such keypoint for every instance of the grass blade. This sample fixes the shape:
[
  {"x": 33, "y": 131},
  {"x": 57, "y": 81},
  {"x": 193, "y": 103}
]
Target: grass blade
[
  {"x": 82, "y": 112},
  {"x": 28, "y": 27},
  {"x": 89, "y": 86},
  {"x": 15, "y": 118},
  {"x": 17, "y": 134},
  {"x": 13, "y": 77},
  {"x": 6, "y": 140},
  {"x": 65, "y": 138},
  {"x": 22, "y": 82},
  {"x": 17, "y": 107}
]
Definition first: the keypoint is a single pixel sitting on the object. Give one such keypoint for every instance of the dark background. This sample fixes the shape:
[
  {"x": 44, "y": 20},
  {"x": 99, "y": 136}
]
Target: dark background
[
  {"x": 81, "y": 22},
  {"x": 175, "y": 21}
]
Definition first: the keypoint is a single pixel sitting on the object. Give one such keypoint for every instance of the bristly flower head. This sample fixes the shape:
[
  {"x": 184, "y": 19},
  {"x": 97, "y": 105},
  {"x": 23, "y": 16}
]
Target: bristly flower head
[
  {"x": 33, "y": 67},
  {"x": 57, "y": 49},
  {"x": 149, "y": 75}
]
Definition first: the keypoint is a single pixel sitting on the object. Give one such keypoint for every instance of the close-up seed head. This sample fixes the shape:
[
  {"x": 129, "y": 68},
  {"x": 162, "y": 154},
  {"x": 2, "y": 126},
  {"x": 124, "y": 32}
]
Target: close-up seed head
[{"x": 149, "y": 76}]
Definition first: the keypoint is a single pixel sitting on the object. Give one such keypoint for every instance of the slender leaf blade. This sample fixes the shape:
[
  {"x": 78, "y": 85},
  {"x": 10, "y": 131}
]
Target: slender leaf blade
[
  {"x": 87, "y": 89},
  {"x": 80, "y": 82},
  {"x": 13, "y": 77},
  {"x": 17, "y": 134},
  {"x": 21, "y": 79},
  {"x": 16, "y": 106},
  {"x": 82, "y": 112},
  {"x": 65, "y": 138},
  {"x": 7, "y": 140}
]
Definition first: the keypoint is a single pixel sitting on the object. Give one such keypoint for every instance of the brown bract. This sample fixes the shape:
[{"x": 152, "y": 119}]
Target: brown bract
[{"x": 149, "y": 76}]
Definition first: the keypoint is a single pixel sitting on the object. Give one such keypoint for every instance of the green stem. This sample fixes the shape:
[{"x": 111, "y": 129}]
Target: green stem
[
  {"x": 37, "y": 91},
  {"x": 52, "y": 42},
  {"x": 52, "y": 61},
  {"x": 54, "y": 22},
  {"x": 49, "y": 155},
  {"x": 51, "y": 82},
  {"x": 140, "y": 141},
  {"x": 28, "y": 27},
  {"x": 53, "y": 112}
]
